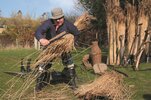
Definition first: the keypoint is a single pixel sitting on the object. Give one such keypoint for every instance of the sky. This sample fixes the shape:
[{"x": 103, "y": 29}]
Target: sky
[{"x": 34, "y": 7}]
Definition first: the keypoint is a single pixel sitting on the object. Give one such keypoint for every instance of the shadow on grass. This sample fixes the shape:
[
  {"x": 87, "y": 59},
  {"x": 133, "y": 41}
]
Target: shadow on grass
[
  {"x": 147, "y": 96},
  {"x": 145, "y": 69}
]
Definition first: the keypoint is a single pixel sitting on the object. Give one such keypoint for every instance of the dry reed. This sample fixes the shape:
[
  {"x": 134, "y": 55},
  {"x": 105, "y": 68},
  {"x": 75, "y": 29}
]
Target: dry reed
[
  {"x": 62, "y": 45},
  {"x": 115, "y": 21},
  {"x": 56, "y": 49},
  {"x": 109, "y": 85},
  {"x": 52, "y": 94}
]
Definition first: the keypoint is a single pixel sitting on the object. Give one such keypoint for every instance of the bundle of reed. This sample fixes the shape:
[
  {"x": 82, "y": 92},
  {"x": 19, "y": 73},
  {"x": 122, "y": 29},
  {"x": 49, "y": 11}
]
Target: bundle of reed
[
  {"x": 109, "y": 85},
  {"x": 131, "y": 25},
  {"x": 62, "y": 45},
  {"x": 144, "y": 14},
  {"x": 115, "y": 21},
  {"x": 85, "y": 24}
]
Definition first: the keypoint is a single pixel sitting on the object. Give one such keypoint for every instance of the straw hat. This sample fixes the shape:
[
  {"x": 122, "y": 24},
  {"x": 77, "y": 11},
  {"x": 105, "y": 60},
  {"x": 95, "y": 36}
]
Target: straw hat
[{"x": 57, "y": 13}]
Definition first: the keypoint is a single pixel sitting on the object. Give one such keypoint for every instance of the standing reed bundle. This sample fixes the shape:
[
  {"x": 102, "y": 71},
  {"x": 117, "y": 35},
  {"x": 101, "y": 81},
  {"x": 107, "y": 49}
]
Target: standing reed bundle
[
  {"x": 131, "y": 26},
  {"x": 130, "y": 22},
  {"x": 135, "y": 16},
  {"x": 115, "y": 28},
  {"x": 143, "y": 17},
  {"x": 120, "y": 28},
  {"x": 109, "y": 85},
  {"x": 110, "y": 30}
]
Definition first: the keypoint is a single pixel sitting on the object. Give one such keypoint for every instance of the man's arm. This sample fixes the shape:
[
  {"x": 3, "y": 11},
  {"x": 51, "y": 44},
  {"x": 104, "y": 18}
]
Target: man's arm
[
  {"x": 39, "y": 34},
  {"x": 73, "y": 29}
]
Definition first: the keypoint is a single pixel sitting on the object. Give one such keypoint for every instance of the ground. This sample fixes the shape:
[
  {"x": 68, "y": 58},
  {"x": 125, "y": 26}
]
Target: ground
[{"x": 139, "y": 81}]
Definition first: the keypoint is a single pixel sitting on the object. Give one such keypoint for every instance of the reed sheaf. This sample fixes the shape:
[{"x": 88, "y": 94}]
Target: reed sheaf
[
  {"x": 62, "y": 43},
  {"x": 109, "y": 85}
]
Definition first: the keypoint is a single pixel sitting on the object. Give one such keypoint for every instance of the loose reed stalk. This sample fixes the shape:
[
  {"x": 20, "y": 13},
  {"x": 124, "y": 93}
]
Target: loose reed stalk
[{"x": 63, "y": 45}]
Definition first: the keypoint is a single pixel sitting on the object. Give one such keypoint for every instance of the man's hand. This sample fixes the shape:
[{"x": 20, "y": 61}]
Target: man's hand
[{"x": 44, "y": 42}]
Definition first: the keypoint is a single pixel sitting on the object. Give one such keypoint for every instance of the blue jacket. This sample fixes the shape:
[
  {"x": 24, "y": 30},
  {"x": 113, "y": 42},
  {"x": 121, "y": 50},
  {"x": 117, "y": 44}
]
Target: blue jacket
[{"x": 48, "y": 28}]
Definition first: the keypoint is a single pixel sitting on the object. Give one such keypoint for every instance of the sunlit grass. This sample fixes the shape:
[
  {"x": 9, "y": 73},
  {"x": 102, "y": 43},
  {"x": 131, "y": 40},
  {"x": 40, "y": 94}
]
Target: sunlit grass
[{"x": 139, "y": 81}]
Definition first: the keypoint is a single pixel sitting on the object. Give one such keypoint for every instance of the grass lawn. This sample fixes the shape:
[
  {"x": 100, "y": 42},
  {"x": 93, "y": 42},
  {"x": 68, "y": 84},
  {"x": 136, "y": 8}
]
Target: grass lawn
[
  {"x": 10, "y": 61},
  {"x": 139, "y": 80}
]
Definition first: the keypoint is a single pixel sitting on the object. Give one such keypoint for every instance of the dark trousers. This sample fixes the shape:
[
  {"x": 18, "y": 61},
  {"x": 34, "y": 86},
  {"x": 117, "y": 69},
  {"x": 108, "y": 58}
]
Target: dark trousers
[
  {"x": 68, "y": 72},
  {"x": 66, "y": 60}
]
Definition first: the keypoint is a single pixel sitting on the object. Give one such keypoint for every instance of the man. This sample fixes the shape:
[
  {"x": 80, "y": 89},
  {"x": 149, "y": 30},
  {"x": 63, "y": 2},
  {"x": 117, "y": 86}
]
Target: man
[{"x": 52, "y": 27}]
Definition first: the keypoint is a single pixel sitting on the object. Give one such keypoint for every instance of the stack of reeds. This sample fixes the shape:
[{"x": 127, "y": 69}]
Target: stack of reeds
[
  {"x": 143, "y": 17},
  {"x": 131, "y": 26},
  {"x": 115, "y": 27},
  {"x": 130, "y": 22},
  {"x": 109, "y": 85}
]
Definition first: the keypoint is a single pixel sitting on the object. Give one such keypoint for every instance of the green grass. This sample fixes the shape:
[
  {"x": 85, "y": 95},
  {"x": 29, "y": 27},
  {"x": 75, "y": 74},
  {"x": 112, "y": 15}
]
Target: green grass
[
  {"x": 139, "y": 80},
  {"x": 10, "y": 61}
]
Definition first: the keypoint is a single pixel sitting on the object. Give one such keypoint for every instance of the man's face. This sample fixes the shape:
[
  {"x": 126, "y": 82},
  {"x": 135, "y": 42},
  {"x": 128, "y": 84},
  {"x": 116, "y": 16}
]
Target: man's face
[{"x": 59, "y": 21}]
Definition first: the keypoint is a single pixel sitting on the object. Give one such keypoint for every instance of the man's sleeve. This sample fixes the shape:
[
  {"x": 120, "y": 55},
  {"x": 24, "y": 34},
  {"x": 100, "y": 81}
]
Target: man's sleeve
[
  {"x": 41, "y": 30},
  {"x": 73, "y": 29}
]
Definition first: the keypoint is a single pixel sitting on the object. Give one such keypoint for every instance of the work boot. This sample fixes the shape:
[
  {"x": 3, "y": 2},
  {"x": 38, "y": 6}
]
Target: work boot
[
  {"x": 39, "y": 82},
  {"x": 28, "y": 66},
  {"x": 22, "y": 67},
  {"x": 72, "y": 81},
  {"x": 44, "y": 77}
]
